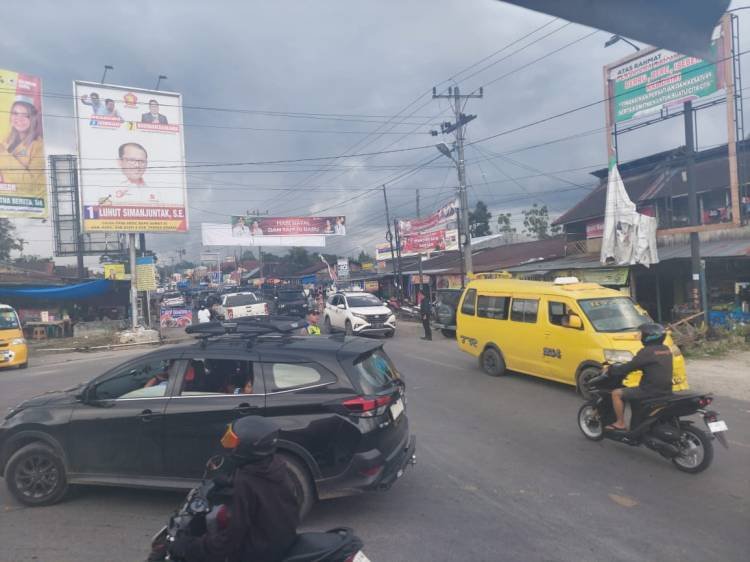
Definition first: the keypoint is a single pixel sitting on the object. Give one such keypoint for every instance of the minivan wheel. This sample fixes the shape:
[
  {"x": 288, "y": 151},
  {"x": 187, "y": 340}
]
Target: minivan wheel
[
  {"x": 492, "y": 362},
  {"x": 24, "y": 365},
  {"x": 303, "y": 486},
  {"x": 35, "y": 475},
  {"x": 348, "y": 328},
  {"x": 450, "y": 334}
]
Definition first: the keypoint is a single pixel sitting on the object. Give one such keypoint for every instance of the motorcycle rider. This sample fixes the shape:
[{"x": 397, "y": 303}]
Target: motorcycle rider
[
  {"x": 655, "y": 360},
  {"x": 264, "y": 512}
]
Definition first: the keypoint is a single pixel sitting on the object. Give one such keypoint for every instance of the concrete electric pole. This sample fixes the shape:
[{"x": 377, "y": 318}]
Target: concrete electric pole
[{"x": 458, "y": 128}]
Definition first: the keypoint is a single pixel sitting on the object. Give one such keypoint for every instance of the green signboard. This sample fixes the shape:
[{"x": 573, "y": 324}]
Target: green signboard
[{"x": 649, "y": 82}]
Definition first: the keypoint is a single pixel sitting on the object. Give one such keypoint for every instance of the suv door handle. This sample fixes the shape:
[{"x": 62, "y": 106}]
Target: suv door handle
[
  {"x": 146, "y": 416},
  {"x": 246, "y": 408}
]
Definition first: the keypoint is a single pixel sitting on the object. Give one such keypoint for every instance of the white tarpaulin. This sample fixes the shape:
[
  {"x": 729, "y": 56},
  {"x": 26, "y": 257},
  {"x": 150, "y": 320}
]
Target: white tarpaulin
[
  {"x": 629, "y": 237},
  {"x": 216, "y": 234}
]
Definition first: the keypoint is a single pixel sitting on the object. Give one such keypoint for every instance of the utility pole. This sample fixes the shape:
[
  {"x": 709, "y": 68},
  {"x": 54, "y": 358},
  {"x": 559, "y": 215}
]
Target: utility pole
[
  {"x": 695, "y": 243},
  {"x": 463, "y": 201},
  {"x": 420, "y": 253},
  {"x": 389, "y": 237},
  {"x": 398, "y": 258}
]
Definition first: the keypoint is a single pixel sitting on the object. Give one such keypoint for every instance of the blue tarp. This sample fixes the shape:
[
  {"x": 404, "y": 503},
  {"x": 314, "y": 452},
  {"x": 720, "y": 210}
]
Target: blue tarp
[{"x": 66, "y": 293}]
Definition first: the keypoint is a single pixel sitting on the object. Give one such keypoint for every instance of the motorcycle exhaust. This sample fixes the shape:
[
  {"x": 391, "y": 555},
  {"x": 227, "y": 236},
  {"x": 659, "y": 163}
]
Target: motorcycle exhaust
[{"x": 662, "y": 447}]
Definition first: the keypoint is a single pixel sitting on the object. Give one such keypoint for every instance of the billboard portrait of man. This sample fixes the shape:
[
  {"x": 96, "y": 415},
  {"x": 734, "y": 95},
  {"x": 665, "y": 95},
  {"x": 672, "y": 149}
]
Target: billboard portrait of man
[{"x": 153, "y": 115}]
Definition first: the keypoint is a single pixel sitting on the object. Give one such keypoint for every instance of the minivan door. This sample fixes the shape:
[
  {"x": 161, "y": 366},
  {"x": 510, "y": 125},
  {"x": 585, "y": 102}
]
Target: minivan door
[{"x": 565, "y": 347}]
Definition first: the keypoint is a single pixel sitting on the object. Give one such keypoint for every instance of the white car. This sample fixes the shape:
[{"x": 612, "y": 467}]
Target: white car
[
  {"x": 173, "y": 300},
  {"x": 238, "y": 305},
  {"x": 358, "y": 313}
]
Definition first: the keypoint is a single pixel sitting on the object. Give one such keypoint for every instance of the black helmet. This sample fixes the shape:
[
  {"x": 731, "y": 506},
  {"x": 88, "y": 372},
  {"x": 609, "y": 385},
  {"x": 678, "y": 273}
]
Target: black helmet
[
  {"x": 252, "y": 439},
  {"x": 652, "y": 334}
]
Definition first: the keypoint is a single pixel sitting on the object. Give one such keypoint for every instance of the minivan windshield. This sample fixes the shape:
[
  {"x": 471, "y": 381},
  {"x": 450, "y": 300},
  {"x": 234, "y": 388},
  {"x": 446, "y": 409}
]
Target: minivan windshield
[
  {"x": 241, "y": 300},
  {"x": 615, "y": 314},
  {"x": 376, "y": 372},
  {"x": 356, "y": 301},
  {"x": 8, "y": 319}
]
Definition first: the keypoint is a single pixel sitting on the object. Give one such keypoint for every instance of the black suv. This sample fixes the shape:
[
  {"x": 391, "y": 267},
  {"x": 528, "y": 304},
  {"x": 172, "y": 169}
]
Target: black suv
[
  {"x": 291, "y": 302},
  {"x": 155, "y": 420}
]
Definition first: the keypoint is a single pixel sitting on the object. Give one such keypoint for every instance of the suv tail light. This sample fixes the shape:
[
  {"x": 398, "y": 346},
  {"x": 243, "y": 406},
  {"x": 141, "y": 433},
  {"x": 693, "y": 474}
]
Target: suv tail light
[
  {"x": 705, "y": 401},
  {"x": 367, "y": 407}
]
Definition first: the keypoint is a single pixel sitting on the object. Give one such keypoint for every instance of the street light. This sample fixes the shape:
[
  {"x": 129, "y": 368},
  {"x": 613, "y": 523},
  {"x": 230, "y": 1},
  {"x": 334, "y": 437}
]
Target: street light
[
  {"x": 106, "y": 68},
  {"x": 615, "y": 38},
  {"x": 445, "y": 151},
  {"x": 158, "y": 81}
]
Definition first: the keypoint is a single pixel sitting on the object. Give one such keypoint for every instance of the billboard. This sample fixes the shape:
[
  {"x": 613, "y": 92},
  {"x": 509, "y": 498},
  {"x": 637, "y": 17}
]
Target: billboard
[
  {"x": 249, "y": 225},
  {"x": 114, "y": 271},
  {"x": 446, "y": 215},
  {"x": 132, "y": 159},
  {"x": 23, "y": 178},
  {"x": 220, "y": 234},
  {"x": 658, "y": 78}
]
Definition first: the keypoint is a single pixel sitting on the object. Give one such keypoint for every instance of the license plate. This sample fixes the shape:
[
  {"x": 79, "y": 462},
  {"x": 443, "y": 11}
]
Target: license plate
[
  {"x": 397, "y": 408},
  {"x": 717, "y": 426},
  {"x": 360, "y": 557}
]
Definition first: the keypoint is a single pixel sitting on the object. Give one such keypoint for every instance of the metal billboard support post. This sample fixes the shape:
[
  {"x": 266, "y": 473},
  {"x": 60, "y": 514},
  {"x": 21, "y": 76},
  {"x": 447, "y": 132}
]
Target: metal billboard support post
[
  {"x": 695, "y": 243},
  {"x": 133, "y": 287}
]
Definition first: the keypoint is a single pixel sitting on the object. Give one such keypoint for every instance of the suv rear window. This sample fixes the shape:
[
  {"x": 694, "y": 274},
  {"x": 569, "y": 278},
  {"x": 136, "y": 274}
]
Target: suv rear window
[
  {"x": 287, "y": 296},
  {"x": 375, "y": 372},
  {"x": 241, "y": 300}
]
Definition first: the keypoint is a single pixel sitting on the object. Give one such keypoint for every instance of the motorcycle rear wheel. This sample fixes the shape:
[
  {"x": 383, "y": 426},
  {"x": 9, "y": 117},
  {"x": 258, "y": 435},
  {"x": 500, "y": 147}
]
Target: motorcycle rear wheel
[
  {"x": 696, "y": 451},
  {"x": 590, "y": 423}
]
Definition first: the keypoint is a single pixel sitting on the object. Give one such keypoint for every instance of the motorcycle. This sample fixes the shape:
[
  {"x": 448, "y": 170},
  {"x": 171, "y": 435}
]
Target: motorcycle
[
  {"x": 205, "y": 509},
  {"x": 655, "y": 423}
]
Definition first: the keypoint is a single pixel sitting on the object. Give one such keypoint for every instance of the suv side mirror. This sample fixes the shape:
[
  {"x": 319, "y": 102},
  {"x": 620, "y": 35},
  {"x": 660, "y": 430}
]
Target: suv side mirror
[
  {"x": 342, "y": 306},
  {"x": 575, "y": 322}
]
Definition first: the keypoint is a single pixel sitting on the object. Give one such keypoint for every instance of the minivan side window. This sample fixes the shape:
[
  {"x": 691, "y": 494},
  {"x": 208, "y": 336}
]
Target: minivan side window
[
  {"x": 469, "y": 304},
  {"x": 558, "y": 313},
  {"x": 493, "y": 307},
  {"x": 524, "y": 310}
]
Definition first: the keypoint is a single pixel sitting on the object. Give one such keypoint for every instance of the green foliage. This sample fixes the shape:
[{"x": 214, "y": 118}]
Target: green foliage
[
  {"x": 504, "y": 227},
  {"x": 536, "y": 223},
  {"x": 364, "y": 257},
  {"x": 479, "y": 220},
  {"x": 9, "y": 241}
]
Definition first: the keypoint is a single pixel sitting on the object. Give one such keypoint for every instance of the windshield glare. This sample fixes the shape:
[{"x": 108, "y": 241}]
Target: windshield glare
[
  {"x": 363, "y": 300},
  {"x": 8, "y": 320},
  {"x": 616, "y": 314}
]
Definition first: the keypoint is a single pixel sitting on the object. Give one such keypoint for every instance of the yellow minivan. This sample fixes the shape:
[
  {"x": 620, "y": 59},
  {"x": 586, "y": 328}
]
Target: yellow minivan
[
  {"x": 13, "y": 350},
  {"x": 562, "y": 330}
]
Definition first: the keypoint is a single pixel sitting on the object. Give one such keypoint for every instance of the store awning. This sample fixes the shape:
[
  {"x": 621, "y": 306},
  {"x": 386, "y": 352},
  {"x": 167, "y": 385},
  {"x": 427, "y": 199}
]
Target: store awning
[{"x": 78, "y": 291}]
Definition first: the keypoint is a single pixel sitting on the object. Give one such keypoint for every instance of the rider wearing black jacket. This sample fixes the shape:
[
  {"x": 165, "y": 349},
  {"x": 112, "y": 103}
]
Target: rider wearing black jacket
[
  {"x": 264, "y": 510},
  {"x": 655, "y": 360}
]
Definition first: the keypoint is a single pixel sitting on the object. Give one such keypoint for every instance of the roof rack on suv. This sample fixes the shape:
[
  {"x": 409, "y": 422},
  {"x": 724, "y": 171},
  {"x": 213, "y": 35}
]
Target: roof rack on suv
[{"x": 248, "y": 328}]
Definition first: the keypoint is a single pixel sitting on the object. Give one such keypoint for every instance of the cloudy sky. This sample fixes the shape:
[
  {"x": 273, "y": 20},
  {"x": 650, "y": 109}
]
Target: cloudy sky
[{"x": 300, "y": 80}]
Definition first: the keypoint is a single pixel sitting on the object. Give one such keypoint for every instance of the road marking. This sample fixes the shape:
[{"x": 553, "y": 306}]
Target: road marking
[{"x": 624, "y": 501}]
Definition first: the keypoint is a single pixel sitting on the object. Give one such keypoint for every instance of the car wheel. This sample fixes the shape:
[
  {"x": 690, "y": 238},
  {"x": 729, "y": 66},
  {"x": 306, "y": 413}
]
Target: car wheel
[
  {"x": 24, "y": 365},
  {"x": 35, "y": 475},
  {"x": 327, "y": 322},
  {"x": 583, "y": 377},
  {"x": 348, "y": 328},
  {"x": 492, "y": 362},
  {"x": 303, "y": 486},
  {"x": 450, "y": 334}
]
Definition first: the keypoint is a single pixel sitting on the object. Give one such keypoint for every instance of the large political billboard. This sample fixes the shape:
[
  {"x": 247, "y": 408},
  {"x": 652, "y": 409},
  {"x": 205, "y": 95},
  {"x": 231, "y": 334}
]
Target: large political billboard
[
  {"x": 250, "y": 225},
  {"x": 132, "y": 159},
  {"x": 23, "y": 177}
]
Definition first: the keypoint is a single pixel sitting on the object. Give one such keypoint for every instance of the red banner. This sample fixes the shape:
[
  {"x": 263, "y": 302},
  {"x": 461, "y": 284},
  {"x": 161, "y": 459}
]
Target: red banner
[{"x": 440, "y": 217}]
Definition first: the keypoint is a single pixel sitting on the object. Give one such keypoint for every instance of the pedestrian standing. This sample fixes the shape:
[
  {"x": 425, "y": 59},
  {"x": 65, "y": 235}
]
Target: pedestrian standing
[
  {"x": 204, "y": 315},
  {"x": 424, "y": 310}
]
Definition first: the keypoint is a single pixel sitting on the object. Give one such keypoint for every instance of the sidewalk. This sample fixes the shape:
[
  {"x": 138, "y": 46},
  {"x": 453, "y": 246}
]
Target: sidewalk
[{"x": 728, "y": 376}]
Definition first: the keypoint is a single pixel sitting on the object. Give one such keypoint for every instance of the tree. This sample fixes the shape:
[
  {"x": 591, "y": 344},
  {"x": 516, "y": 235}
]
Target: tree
[
  {"x": 299, "y": 257},
  {"x": 536, "y": 223},
  {"x": 479, "y": 220},
  {"x": 8, "y": 239},
  {"x": 247, "y": 255},
  {"x": 504, "y": 227},
  {"x": 364, "y": 257}
]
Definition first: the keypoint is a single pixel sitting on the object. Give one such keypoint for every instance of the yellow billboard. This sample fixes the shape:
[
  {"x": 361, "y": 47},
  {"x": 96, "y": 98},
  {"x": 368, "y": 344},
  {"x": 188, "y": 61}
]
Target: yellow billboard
[
  {"x": 114, "y": 271},
  {"x": 23, "y": 178}
]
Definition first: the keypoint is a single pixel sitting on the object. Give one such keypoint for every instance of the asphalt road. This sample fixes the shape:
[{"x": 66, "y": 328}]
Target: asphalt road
[{"x": 503, "y": 473}]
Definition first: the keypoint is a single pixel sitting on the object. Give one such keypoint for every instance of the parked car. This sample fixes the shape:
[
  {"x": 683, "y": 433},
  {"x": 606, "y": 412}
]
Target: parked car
[
  {"x": 358, "y": 313},
  {"x": 291, "y": 302},
  {"x": 444, "y": 311},
  {"x": 240, "y": 305},
  {"x": 13, "y": 349},
  {"x": 154, "y": 420},
  {"x": 173, "y": 299}
]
